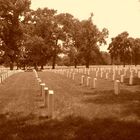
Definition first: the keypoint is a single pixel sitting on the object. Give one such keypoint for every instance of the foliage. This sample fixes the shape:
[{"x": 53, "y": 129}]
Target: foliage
[
  {"x": 136, "y": 51},
  {"x": 25, "y": 33},
  {"x": 125, "y": 49},
  {"x": 11, "y": 32},
  {"x": 72, "y": 30},
  {"x": 35, "y": 51},
  {"x": 45, "y": 25},
  {"x": 92, "y": 38}
]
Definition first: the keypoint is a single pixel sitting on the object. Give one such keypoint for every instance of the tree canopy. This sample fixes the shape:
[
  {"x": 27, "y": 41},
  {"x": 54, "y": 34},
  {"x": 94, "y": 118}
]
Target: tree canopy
[
  {"x": 11, "y": 32},
  {"x": 38, "y": 37},
  {"x": 125, "y": 49}
]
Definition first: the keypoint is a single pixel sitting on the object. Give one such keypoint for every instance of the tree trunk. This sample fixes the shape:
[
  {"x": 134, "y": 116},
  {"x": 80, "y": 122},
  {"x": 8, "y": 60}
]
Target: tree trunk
[
  {"x": 42, "y": 67},
  {"x": 87, "y": 64},
  {"x": 35, "y": 66},
  {"x": 11, "y": 62},
  {"x": 123, "y": 63},
  {"x": 75, "y": 66},
  {"x": 87, "y": 58},
  {"x": 54, "y": 55},
  {"x": 11, "y": 66},
  {"x": 53, "y": 61},
  {"x": 124, "y": 59},
  {"x": 17, "y": 66},
  {"x": 112, "y": 60},
  {"x": 118, "y": 60},
  {"x": 135, "y": 59},
  {"x": 75, "y": 63},
  {"x": 131, "y": 59},
  {"x": 24, "y": 66}
]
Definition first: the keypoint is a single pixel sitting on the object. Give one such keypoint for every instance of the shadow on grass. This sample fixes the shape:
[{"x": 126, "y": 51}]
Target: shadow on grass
[
  {"x": 69, "y": 128},
  {"x": 132, "y": 108},
  {"x": 136, "y": 81},
  {"x": 108, "y": 97},
  {"x": 129, "y": 100}
]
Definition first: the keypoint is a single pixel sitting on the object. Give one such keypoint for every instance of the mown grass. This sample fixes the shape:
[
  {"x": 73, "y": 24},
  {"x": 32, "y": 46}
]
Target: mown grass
[
  {"x": 81, "y": 113},
  {"x": 70, "y": 128}
]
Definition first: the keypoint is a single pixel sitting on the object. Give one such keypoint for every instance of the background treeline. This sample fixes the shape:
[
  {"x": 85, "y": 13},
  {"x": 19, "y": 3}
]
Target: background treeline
[{"x": 39, "y": 37}]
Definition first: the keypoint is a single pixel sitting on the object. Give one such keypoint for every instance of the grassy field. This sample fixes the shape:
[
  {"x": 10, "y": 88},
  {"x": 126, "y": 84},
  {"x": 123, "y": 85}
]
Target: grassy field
[{"x": 81, "y": 113}]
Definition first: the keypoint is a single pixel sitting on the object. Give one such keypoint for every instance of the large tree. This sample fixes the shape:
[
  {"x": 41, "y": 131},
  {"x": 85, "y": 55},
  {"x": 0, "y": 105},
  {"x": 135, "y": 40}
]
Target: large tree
[
  {"x": 136, "y": 51},
  {"x": 35, "y": 51},
  {"x": 36, "y": 30},
  {"x": 11, "y": 31},
  {"x": 47, "y": 27},
  {"x": 92, "y": 38},
  {"x": 121, "y": 48},
  {"x": 113, "y": 50},
  {"x": 73, "y": 31}
]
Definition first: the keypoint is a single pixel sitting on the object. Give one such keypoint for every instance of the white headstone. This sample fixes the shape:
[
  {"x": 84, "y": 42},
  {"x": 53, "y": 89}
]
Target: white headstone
[
  {"x": 94, "y": 82},
  {"x": 88, "y": 81},
  {"x": 82, "y": 79},
  {"x": 117, "y": 87},
  {"x": 50, "y": 104}
]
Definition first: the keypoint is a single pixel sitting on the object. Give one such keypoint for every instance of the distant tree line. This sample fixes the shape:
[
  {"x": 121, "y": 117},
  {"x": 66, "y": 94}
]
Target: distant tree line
[
  {"x": 124, "y": 49},
  {"x": 39, "y": 37}
]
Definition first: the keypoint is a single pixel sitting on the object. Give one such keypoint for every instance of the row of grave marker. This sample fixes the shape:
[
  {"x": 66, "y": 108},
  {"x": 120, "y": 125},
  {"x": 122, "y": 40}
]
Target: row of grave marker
[
  {"x": 102, "y": 73},
  {"x": 5, "y": 74},
  {"x": 93, "y": 83},
  {"x": 70, "y": 73},
  {"x": 47, "y": 95}
]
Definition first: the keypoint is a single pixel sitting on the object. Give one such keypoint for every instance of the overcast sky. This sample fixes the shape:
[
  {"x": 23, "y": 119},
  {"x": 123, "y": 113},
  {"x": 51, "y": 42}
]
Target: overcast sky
[{"x": 116, "y": 15}]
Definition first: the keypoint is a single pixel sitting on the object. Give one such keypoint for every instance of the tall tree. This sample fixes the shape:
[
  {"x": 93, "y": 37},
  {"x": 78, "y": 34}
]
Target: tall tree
[
  {"x": 47, "y": 27},
  {"x": 72, "y": 28},
  {"x": 11, "y": 31},
  {"x": 92, "y": 38},
  {"x": 121, "y": 48},
  {"x": 136, "y": 51},
  {"x": 113, "y": 50},
  {"x": 34, "y": 48}
]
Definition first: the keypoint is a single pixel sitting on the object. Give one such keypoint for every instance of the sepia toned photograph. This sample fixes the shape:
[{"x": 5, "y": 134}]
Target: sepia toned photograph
[{"x": 69, "y": 69}]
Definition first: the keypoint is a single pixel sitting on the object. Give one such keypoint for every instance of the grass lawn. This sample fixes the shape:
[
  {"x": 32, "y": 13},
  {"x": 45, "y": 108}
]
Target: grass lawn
[{"x": 81, "y": 113}]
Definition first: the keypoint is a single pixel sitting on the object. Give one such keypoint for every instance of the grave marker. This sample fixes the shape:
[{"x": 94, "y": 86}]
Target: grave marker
[
  {"x": 106, "y": 76},
  {"x": 88, "y": 81},
  {"x": 138, "y": 74},
  {"x": 94, "y": 82},
  {"x": 73, "y": 76},
  {"x": 82, "y": 79},
  {"x": 46, "y": 96},
  {"x": 113, "y": 76},
  {"x": 117, "y": 87},
  {"x": 50, "y": 104},
  {"x": 131, "y": 79},
  {"x": 42, "y": 85},
  {"x": 122, "y": 78}
]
